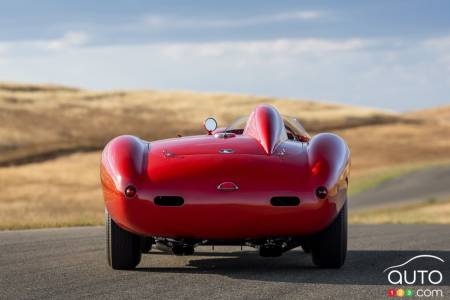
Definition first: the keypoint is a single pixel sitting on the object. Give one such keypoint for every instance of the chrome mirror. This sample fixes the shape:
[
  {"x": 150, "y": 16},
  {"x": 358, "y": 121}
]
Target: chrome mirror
[{"x": 210, "y": 124}]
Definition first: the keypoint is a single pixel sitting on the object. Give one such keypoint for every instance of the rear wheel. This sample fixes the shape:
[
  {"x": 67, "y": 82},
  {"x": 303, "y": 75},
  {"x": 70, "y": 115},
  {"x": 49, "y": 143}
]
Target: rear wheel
[
  {"x": 329, "y": 247},
  {"x": 123, "y": 249}
]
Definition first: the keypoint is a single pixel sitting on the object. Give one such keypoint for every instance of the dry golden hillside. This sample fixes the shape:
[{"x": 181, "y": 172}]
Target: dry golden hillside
[
  {"x": 42, "y": 121},
  {"x": 389, "y": 145},
  {"x": 436, "y": 114}
]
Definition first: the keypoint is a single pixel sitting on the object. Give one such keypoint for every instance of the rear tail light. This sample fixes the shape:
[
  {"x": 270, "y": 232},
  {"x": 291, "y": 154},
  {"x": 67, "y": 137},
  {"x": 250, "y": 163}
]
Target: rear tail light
[
  {"x": 130, "y": 191},
  {"x": 321, "y": 192}
]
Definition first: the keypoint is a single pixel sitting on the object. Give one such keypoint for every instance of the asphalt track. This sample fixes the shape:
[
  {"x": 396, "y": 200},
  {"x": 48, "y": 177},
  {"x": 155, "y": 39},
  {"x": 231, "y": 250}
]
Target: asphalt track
[
  {"x": 70, "y": 263},
  {"x": 425, "y": 184}
]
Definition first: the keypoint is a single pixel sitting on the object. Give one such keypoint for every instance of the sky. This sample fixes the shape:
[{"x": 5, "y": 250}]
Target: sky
[{"x": 386, "y": 54}]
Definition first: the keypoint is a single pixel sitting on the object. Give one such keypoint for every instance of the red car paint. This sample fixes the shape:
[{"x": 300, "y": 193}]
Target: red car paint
[{"x": 227, "y": 182}]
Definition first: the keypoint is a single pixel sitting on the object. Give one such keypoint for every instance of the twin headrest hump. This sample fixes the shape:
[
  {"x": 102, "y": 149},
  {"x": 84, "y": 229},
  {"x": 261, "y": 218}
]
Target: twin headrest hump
[{"x": 266, "y": 125}]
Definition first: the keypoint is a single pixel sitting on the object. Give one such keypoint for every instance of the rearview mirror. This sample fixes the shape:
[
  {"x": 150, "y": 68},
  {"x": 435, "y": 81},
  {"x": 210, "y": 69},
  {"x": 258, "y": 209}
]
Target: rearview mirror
[{"x": 210, "y": 125}]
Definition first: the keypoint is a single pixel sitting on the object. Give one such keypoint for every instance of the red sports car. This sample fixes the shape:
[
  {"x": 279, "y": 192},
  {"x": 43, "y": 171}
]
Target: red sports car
[{"x": 261, "y": 182}]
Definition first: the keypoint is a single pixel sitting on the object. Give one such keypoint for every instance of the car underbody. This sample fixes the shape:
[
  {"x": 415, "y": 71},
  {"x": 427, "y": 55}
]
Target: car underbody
[{"x": 267, "y": 247}]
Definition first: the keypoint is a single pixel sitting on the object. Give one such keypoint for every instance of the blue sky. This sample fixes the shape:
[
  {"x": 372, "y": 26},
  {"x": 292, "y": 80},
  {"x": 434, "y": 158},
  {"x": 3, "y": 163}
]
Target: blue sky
[{"x": 387, "y": 54}]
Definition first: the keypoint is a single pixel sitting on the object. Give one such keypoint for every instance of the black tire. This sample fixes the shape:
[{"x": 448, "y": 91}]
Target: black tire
[
  {"x": 146, "y": 244},
  {"x": 329, "y": 247},
  {"x": 122, "y": 247}
]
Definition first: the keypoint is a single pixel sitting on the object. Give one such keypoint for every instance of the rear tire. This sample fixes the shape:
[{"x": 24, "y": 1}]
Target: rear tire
[
  {"x": 122, "y": 247},
  {"x": 329, "y": 247}
]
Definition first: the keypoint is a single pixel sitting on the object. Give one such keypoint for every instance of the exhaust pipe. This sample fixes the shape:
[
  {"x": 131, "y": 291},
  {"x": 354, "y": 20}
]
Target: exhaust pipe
[
  {"x": 175, "y": 248},
  {"x": 163, "y": 247}
]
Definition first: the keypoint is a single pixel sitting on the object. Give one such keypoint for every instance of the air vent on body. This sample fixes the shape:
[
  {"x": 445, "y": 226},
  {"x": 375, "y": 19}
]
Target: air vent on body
[
  {"x": 169, "y": 201},
  {"x": 285, "y": 201}
]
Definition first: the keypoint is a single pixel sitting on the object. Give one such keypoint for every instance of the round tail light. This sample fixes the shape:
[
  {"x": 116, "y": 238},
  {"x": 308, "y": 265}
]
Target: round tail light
[
  {"x": 130, "y": 191},
  {"x": 321, "y": 192}
]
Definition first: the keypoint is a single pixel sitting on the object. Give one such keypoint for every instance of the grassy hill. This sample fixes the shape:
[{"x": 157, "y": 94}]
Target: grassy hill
[
  {"x": 436, "y": 114},
  {"x": 50, "y": 138},
  {"x": 39, "y": 122}
]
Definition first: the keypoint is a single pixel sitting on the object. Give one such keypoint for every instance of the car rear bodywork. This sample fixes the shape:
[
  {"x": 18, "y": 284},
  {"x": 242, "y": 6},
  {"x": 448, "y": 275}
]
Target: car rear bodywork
[{"x": 256, "y": 184}]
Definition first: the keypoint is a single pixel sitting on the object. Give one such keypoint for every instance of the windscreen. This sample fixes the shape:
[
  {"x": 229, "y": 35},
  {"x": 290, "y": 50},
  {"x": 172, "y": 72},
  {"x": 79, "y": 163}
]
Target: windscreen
[{"x": 291, "y": 124}]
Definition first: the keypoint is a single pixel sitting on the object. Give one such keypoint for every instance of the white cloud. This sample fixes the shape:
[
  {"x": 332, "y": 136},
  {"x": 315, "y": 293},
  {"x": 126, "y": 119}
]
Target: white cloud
[
  {"x": 273, "y": 48},
  {"x": 68, "y": 40},
  {"x": 174, "y": 50},
  {"x": 380, "y": 73},
  {"x": 3, "y": 49},
  {"x": 440, "y": 43},
  {"x": 441, "y": 46},
  {"x": 164, "y": 22}
]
